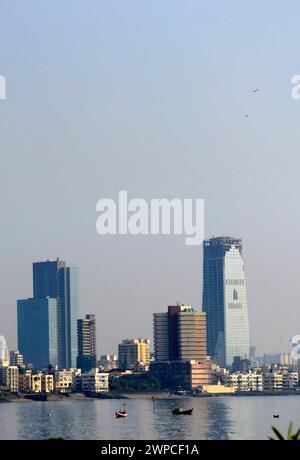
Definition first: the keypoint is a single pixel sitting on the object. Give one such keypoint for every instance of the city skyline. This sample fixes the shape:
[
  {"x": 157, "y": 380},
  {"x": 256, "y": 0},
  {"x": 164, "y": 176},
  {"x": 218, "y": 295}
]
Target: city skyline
[
  {"x": 50, "y": 277},
  {"x": 45, "y": 284}
]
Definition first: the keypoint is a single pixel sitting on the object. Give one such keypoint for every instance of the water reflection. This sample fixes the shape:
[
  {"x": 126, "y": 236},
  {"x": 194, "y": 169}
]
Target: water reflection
[{"x": 213, "y": 418}]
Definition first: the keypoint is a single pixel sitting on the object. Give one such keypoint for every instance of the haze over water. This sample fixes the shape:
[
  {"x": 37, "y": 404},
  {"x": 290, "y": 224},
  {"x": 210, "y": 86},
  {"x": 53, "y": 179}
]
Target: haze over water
[{"x": 213, "y": 418}]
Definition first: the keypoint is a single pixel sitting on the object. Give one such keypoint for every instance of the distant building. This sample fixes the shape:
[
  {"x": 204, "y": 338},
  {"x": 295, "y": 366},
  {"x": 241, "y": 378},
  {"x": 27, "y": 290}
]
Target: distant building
[
  {"x": 108, "y": 362},
  {"x": 245, "y": 381},
  {"x": 25, "y": 381},
  {"x": 4, "y": 352},
  {"x": 240, "y": 365},
  {"x": 290, "y": 380},
  {"x": 180, "y": 335},
  {"x": 218, "y": 389},
  {"x": 47, "y": 383},
  {"x": 16, "y": 358},
  {"x": 67, "y": 315},
  {"x": 186, "y": 375},
  {"x": 45, "y": 278},
  {"x": 86, "y": 336},
  {"x": 273, "y": 381},
  {"x": 93, "y": 382},
  {"x": 225, "y": 300},
  {"x": 9, "y": 379},
  {"x": 65, "y": 380},
  {"x": 133, "y": 352},
  {"x": 37, "y": 331},
  {"x": 161, "y": 336}
]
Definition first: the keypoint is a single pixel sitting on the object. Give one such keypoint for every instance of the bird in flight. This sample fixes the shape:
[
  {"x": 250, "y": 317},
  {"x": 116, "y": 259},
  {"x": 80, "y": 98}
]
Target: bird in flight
[
  {"x": 255, "y": 90},
  {"x": 247, "y": 115}
]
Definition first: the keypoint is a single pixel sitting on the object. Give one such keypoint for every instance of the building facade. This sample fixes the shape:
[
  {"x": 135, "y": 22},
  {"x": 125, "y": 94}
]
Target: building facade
[
  {"x": 132, "y": 352},
  {"x": 45, "y": 278},
  {"x": 93, "y": 382},
  {"x": 185, "y": 375},
  {"x": 16, "y": 358},
  {"x": 225, "y": 300},
  {"x": 86, "y": 336},
  {"x": 37, "y": 331},
  {"x": 180, "y": 334},
  {"x": 67, "y": 315}
]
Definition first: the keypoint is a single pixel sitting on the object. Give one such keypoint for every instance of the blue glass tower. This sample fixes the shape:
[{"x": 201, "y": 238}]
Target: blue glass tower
[
  {"x": 45, "y": 278},
  {"x": 67, "y": 315},
  {"x": 225, "y": 300},
  {"x": 37, "y": 331}
]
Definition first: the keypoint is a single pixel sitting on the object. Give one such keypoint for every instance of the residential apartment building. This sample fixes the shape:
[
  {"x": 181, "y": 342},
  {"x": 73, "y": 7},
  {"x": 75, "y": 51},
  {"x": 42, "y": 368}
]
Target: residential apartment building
[
  {"x": 132, "y": 352},
  {"x": 93, "y": 382},
  {"x": 86, "y": 337}
]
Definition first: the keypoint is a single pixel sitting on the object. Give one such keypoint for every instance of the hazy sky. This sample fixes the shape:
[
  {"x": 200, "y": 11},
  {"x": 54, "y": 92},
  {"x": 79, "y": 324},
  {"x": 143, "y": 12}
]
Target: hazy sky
[{"x": 150, "y": 97}]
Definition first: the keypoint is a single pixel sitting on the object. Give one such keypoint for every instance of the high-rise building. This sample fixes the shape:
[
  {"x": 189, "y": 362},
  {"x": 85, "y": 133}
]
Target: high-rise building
[
  {"x": 45, "y": 278},
  {"x": 37, "y": 331},
  {"x": 161, "y": 336},
  {"x": 67, "y": 315},
  {"x": 180, "y": 334},
  {"x": 4, "y": 352},
  {"x": 86, "y": 336},
  {"x": 133, "y": 352},
  {"x": 225, "y": 300}
]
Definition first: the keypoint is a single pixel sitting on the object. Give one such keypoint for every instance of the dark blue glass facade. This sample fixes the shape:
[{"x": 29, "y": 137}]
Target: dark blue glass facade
[
  {"x": 37, "y": 331},
  {"x": 45, "y": 278}
]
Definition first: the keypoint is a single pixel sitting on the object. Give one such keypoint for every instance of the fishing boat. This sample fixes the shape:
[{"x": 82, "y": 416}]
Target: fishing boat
[
  {"x": 181, "y": 411},
  {"x": 121, "y": 414}
]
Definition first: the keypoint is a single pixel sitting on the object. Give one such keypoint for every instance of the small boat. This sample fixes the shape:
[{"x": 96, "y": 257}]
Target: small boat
[
  {"x": 181, "y": 411},
  {"x": 276, "y": 416},
  {"x": 121, "y": 414}
]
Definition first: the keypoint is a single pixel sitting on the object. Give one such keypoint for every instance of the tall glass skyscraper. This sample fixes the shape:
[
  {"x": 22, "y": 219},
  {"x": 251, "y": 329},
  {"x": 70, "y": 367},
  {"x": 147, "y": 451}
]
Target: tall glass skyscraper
[
  {"x": 47, "y": 323},
  {"x": 67, "y": 315},
  {"x": 225, "y": 300},
  {"x": 45, "y": 278},
  {"x": 37, "y": 331}
]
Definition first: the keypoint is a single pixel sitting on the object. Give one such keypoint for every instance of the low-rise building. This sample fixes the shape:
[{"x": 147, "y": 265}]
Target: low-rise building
[
  {"x": 290, "y": 380},
  {"x": 250, "y": 381},
  {"x": 218, "y": 389},
  {"x": 93, "y": 382},
  {"x": 65, "y": 380},
  {"x": 36, "y": 383},
  {"x": 25, "y": 381},
  {"x": 188, "y": 375},
  {"x": 16, "y": 358},
  {"x": 9, "y": 378},
  {"x": 273, "y": 381},
  {"x": 47, "y": 383},
  {"x": 108, "y": 362}
]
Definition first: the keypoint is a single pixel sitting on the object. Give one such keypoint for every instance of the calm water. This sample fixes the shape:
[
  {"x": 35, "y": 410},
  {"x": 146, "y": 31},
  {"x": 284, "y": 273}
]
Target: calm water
[{"x": 213, "y": 418}]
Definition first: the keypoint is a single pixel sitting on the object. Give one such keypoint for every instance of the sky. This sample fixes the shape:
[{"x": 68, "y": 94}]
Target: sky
[{"x": 150, "y": 97}]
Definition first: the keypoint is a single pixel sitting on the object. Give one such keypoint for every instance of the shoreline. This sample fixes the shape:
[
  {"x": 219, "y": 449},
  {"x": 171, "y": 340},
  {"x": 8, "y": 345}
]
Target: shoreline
[{"x": 51, "y": 397}]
